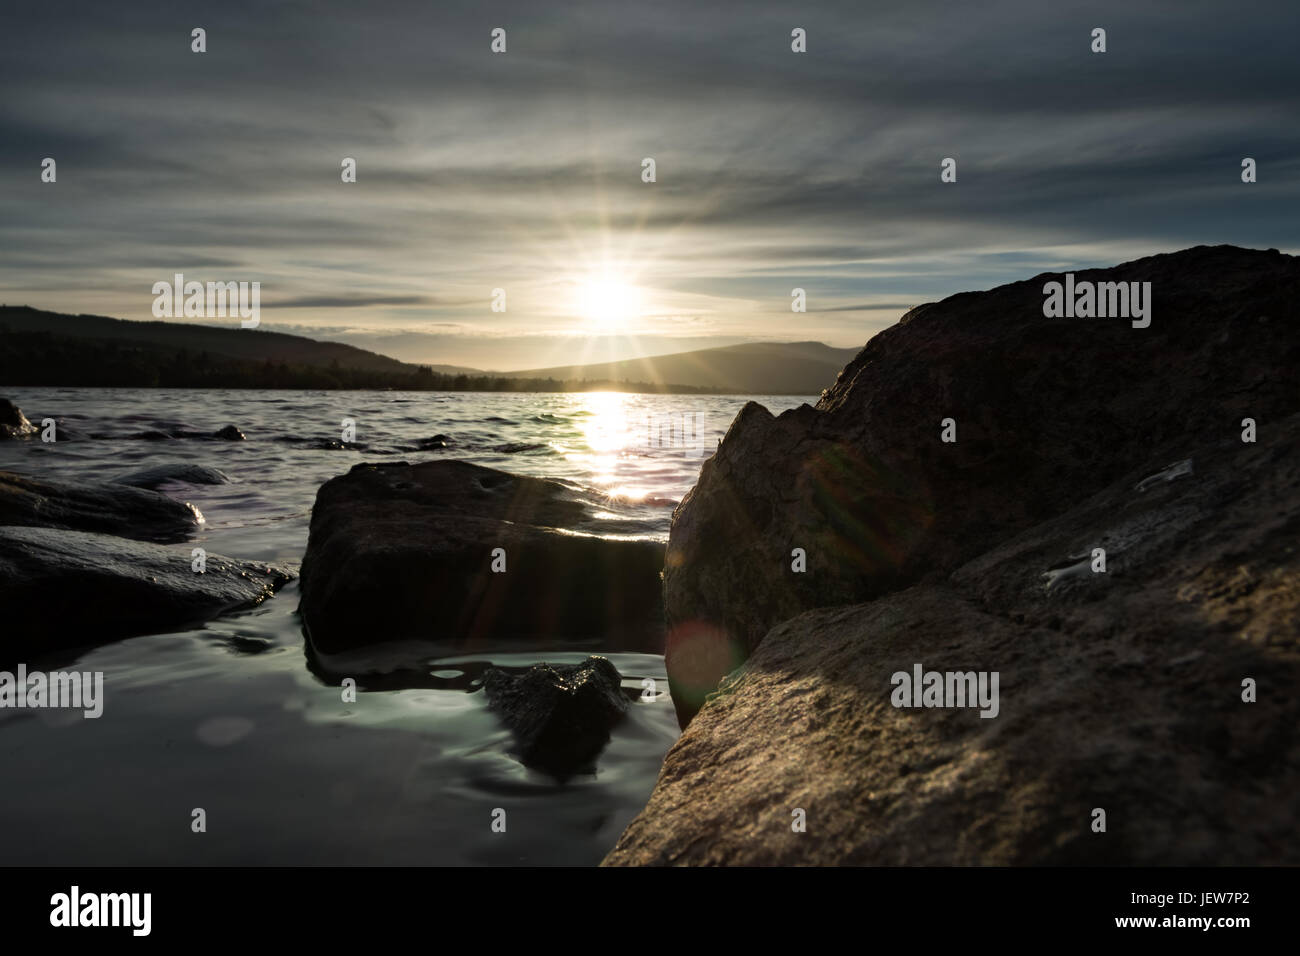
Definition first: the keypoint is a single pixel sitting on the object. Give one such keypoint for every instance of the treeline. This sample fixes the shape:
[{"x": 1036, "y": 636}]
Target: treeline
[{"x": 37, "y": 359}]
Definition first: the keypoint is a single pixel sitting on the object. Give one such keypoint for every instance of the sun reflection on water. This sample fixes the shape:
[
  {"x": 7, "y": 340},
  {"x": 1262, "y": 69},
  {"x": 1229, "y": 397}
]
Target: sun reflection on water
[
  {"x": 608, "y": 428},
  {"x": 637, "y": 449},
  {"x": 611, "y": 442}
]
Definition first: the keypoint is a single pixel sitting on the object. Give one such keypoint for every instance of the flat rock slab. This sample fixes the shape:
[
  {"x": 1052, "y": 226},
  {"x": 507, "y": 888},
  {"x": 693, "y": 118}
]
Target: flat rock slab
[
  {"x": 402, "y": 552},
  {"x": 1119, "y": 689},
  {"x": 105, "y": 507},
  {"x": 561, "y": 714},
  {"x": 174, "y": 473},
  {"x": 61, "y": 589}
]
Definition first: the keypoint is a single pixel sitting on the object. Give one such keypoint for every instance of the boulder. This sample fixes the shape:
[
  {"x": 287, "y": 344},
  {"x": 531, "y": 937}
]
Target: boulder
[
  {"x": 62, "y": 589},
  {"x": 13, "y": 423},
  {"x": 400, "y": 552},
  {"x": 1046, "y": 412},
  {"x": 105, "y": 507},
  {"x": 561, "y": 714},
  {"x": 174, "y": 472},
  {"x": 1124, "y": 689}
]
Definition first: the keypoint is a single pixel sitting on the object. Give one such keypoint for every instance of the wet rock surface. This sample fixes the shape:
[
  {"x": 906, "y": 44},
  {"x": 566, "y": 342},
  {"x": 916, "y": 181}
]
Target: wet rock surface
[
  {"x": 228, "y": 433},
  {"x": 63, "y": 589},
  {"x": 1119, "y": 689},
  {"x": 561, "y": 714},
  {"x": 174, "y": 473},
  {"x": 401, "y": 552},
  {"x": 13, "y": 423},
  {"x": 105, "y": 507},
  {"x": 1047, "y": 412}
]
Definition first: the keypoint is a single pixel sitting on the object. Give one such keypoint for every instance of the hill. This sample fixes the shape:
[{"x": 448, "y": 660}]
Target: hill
[
  {"x": 254, "y": 345},
  {"x": 49, "y": 348},
  {"x": 758, "y": 368},
  {"x": 40, "y": 348}
]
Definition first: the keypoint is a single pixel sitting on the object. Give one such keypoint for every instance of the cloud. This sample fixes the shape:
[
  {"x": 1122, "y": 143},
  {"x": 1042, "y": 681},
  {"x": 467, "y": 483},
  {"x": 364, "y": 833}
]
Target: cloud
[
  {"x": 349, "y": 301},
  {"x": 871, "y": 307},
  {"x": 522, "y": 171}
]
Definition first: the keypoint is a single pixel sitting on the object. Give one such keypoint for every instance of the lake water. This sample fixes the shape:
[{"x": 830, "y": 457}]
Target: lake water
[{"x": 229, "y": 719}]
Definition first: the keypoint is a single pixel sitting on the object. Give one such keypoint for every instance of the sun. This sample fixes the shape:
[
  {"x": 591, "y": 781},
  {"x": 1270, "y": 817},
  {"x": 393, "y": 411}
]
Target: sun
[{"x": 609, "y": 303}]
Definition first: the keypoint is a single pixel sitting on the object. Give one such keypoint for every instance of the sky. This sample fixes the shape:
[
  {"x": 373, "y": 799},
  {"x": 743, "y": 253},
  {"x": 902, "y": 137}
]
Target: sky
[{"x": 522, "y": 170}]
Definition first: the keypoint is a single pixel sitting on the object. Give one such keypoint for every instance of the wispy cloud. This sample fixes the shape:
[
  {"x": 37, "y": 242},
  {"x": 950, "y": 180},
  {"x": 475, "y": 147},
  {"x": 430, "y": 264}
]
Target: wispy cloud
[
  {"x": 351, "y": 301},
  {"x": 522, "y": 171}
]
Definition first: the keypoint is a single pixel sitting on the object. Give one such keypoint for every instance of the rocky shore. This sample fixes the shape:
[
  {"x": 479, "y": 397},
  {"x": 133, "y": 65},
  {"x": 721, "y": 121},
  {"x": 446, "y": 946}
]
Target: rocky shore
[{"x": 1019, "y": 589}]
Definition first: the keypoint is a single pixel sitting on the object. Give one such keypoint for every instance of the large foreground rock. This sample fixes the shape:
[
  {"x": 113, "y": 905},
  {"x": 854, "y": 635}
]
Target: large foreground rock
[
  {"x": 61, "y": 589},
  {"x": 402, "y": 552},
  {"x": 561, "y": 714},
  {"x": 1120, "y": 690},
  {"x": 95, "y": 506},
  {"x": 1047, "y": 411}
]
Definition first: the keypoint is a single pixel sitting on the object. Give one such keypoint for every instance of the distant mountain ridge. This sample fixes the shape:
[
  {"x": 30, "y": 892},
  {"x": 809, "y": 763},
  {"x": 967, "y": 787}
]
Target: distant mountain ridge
[
  {"x": 754, "y": 368},
  {"x": 252, "y": 345},
  {"x": 51, "y": 348}
]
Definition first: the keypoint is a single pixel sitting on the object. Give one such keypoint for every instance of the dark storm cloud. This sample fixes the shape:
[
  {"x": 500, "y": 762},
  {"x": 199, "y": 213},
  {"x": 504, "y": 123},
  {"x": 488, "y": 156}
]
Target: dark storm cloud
[{"x": 774, "y": 169}]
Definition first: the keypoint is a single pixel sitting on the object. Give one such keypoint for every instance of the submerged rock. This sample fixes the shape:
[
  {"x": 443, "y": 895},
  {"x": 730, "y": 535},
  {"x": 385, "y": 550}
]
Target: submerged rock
[
  {"x": 64, "y": 589},
  {"x": 63, "y": 432},
  {"x": 334, "y": 444},
  {"x": 13, "y": 423},
  {"x": 181, "y": 472},
  {"x": 406, "y": 552},
  {"x": 1163, "y": 690},
  {"x": 105, "y": 507},
  {"x": 561, "y": 714},
  {"x": 1044, "y": 412},
  {"x": 228, "y": 433}
]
